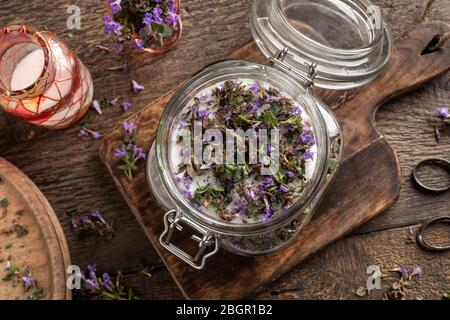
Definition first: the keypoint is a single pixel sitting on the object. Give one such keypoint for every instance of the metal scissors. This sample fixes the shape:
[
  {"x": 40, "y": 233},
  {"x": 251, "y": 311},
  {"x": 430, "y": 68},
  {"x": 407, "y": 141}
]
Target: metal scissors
[{"x": 445, "y": 164}]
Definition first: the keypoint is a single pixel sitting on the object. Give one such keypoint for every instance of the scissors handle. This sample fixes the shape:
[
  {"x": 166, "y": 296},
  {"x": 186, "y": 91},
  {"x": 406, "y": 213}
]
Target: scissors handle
[
  {"x": 421, "y": 234},
  {"x": 420, "y": 185}
]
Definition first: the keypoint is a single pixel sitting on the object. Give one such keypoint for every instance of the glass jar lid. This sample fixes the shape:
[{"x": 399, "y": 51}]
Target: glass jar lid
[{"x": 346, "y": 41}]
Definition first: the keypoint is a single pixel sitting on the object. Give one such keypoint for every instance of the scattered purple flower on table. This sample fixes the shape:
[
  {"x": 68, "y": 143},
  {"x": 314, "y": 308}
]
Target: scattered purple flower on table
[
  {"x": 136, "y": 86},
  {"x": 92, "y": 267},
  {"x": 120, "y": 152},
  {"x": 114, "y": 101},
  {"x": 83, "y": 132},
  {"x": 90, "y": 284},
  {"x": 111, "y": 26},
  {"x": 126, "y": 106},
  {"x": 95, "y": 223},
  {"x": 106, "y": 282},
  {"x": 139, "y": 44},
  {"x": 403, "y": 271},
  {"x": 443, "y": 112},
  {"x": 96, "y": 106},
  {"x": 129, "y": 127},
  {"x": 138, "y": 153},
  {"x": 115, "y": 6},
  {"x": 27, "y": 281},
  {"x": 118, "y": 47},
  {"x": 417, "y": 271}
]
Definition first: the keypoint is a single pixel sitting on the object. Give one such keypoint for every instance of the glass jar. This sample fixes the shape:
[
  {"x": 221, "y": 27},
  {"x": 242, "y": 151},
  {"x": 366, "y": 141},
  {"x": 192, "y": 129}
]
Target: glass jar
[
  {"x": 41, "y": 80},
  {"x": 293, "y": 71}
]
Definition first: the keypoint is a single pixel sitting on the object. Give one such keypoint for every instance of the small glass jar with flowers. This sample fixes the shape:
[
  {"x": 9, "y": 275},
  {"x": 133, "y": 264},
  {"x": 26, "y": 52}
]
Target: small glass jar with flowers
[{"x": 153, "y": 26}]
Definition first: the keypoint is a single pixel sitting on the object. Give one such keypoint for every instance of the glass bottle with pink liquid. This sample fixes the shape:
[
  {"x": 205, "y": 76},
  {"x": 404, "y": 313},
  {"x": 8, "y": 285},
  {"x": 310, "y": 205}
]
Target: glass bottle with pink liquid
[{"x": 41, "y": 80}]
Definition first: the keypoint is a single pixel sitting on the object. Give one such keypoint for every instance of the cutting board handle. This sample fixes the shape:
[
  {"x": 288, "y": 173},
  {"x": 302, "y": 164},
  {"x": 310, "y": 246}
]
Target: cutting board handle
[{"x": 408, "y": 68}]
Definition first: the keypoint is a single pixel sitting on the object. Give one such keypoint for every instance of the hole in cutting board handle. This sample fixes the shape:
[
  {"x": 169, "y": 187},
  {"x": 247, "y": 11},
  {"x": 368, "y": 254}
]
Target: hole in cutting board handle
[{"x": 431, "y": 47}]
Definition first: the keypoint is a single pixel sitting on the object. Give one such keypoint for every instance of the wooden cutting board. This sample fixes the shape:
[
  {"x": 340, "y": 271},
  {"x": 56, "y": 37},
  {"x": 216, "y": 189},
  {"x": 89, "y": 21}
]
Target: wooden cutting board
[
  {"x": 368, "y": 182},
  {"x": 42, "y": 247}
]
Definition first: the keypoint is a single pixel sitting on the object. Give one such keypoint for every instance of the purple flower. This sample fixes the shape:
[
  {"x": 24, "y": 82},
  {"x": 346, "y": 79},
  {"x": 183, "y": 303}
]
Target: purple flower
[
  {"x": 267, "y": 213},
  {"x": 203, "y": 114},
  {"x": 255, "y": 88},
  {"x": 296, "y": 111},
  {"x": 403, "y": 271},
  {"x": 27, "y": 281},
  {"x": 138, "y": 153},
  {"x": 126, "y": 106},
  {"x": 75, "y": 223},
  {"x": 187, "y": 181},
  {"x": 172, "y": 18},
  {"x": 120, "y": 152},
  {"x": 308, "y": 155},
  {"x": 139, "y": 44},
  {"x": 307, "y": 138},
  {"x": 187, "y": 194},
  {"x": 443, "y": 113},
  {"x": 251, "y": 195},
  {"x": 129, "y": 127},
  {"x": 136, "y": 86},
  {"x": 417, "y": 271},
  {"x": 118, "y": 46},
  {"x": 269, "y": 148},
  {"x": 85, "y": 219},
  {"x": 290, "y": 174},
  {"x": 83, "y": 132},
  {"x": 115, "y": 6},
  {"x": 96, "y": 135},
  {"x": 148, "y": 19},
  {"x": 96, "y": 106},
  {"x": 106, "y": 282},
  {"x": 92, "y": 267},
  {"x": 203, "y": 98},
  {"x": 284, "y": 188},
  {"x": 268, "y": 180},
  {"x": 91, "y": 284},
  {"x": 157, "y": 15},
  {"x": 111, "y": 26},
  {"x": 97, "y": 215},
  {"x": 113, "y": 102},
  {"x": 411, "y": 231}
]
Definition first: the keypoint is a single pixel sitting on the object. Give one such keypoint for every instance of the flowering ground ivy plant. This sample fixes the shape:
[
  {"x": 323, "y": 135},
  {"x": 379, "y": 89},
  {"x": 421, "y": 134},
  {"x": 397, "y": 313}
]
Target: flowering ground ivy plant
[
  {"x": 130, "y": 153},
  {"x": 104, "y": 287},
  {"x": 144, "y": 23},
  {"x": 91, "y": 223},
  {"x": 16, "y": 276}
]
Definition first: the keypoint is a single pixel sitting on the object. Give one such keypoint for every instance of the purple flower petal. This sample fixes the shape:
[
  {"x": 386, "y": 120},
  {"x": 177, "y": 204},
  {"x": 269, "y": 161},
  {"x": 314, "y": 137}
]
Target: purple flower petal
[
  {"x": 114, "y": 101},
  {"x": 284, "y": 188},
  {"x": 83, "y": 132},
  {"x": 437, "y": 134},
  {"x": 115, "y": 6},
  {"x": 443, "y": 112},
  {"x": 129, "y": 127},
  {"x": 136, "y": 86},
  {"x": 92, "y": 267},
  {"x": 120, "y": 152},
  {"x": 126, "y": 106},
  {"x": 417, "y": 271},
  {"x": 27, "y": 281},
  {"x": 96, "y": 106},
  {"x": 308, "y": 155}
]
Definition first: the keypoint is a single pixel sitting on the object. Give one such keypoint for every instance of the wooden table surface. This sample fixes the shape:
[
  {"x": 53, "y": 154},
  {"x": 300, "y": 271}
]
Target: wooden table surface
[{"x": 70, "y": 174}]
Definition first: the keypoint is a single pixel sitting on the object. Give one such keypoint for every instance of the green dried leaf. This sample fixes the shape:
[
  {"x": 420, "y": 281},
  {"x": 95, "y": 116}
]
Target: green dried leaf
[
  {"x": 446, "y": 295},
  {"x": 4, "y": 203},
  {"x": 361, "y": 291}
]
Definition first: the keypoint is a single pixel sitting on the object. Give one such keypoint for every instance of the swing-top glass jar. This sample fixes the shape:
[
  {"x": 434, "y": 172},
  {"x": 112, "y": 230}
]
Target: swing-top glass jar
[{"x": 259, "y": 203}]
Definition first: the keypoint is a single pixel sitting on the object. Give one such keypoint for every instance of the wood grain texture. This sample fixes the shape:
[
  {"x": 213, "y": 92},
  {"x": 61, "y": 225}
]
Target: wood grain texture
[
  {"x": 43, "y": 248},
  {"x": 70, "y": 174},
  {"x": 368, "y": 183}
]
